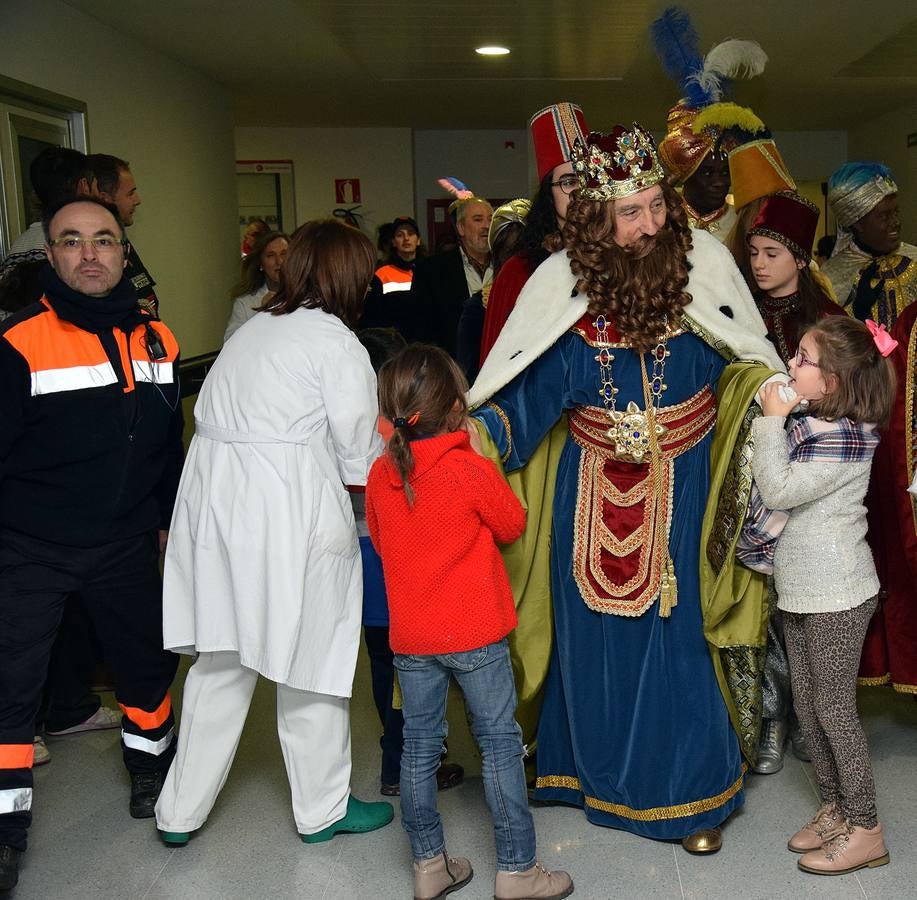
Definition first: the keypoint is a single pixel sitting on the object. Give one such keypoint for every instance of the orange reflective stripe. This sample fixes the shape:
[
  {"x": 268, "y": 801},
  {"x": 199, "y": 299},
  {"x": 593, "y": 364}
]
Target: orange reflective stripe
[
  {"x": 46, "y": 342},
  {"x": 52, "y": 347},
  {"x": 149, "y": 720},
  {"x": 16, "y": 756}
]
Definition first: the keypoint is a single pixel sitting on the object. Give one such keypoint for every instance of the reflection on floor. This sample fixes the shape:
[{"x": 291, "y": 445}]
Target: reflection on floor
[{"x": 84, "y": 845}]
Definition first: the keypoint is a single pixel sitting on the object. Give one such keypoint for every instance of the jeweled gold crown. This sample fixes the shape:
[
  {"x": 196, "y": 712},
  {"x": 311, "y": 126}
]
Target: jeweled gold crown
[{"x": 618, "y": 164}]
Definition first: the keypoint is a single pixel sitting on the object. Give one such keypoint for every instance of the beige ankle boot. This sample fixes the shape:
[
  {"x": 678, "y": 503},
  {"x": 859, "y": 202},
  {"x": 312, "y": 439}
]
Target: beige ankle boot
[
  {"x": 826, "y": 822},
  {"x": 536, "y": 883},
  {"x": 850, "y": 849},
  {"x": 434, "y": 878}
]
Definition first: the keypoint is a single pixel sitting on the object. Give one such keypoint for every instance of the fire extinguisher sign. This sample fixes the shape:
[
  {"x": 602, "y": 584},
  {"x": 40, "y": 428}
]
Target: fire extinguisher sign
[{"x": 347, "y": 190}]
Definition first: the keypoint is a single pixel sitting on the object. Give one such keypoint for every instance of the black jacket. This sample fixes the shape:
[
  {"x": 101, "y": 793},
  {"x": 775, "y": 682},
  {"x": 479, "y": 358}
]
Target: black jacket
[{"x": 90, "y": 428}]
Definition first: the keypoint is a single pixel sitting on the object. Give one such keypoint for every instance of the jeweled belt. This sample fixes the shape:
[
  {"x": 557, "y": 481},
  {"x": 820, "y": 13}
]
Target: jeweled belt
[{"x": 621, "y": 558}]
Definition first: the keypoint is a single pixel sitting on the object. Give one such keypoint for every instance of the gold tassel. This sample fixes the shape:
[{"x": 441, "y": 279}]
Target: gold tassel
[{"x": 668, "y": 589}]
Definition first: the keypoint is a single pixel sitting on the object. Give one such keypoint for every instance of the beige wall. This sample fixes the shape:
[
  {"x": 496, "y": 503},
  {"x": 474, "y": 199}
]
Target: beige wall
[
  {"x": 380, "y": 157},
  {"x": 173, "y": 125},
  {"x": 884, "y": 139},
  {"x": 492, "y": 162}
]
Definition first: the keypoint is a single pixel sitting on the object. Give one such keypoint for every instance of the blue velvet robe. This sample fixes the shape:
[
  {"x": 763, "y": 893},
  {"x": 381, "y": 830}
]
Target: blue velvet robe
[{"x": 633, "y": 728}]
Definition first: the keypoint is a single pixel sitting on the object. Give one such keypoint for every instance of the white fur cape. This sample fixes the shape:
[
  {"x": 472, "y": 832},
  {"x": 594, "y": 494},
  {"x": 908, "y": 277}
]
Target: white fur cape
[{"x": 547, "y": 308}]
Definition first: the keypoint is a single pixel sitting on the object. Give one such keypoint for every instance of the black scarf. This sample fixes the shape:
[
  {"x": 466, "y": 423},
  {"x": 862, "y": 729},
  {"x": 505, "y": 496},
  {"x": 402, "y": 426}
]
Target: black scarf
[{"x": 94, "y": 314}]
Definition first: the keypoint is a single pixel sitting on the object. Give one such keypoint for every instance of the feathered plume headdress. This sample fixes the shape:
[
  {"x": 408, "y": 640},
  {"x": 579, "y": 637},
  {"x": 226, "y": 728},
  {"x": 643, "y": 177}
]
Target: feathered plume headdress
[
  {"x": 697, "y": 123},
  {"x": 457, "y": 188},
  {"x": 702, "y": 80}
]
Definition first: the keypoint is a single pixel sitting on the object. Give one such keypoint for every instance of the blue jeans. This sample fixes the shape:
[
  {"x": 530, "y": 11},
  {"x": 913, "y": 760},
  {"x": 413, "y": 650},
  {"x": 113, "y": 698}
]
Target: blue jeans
[{"x": 486, "y": 679}]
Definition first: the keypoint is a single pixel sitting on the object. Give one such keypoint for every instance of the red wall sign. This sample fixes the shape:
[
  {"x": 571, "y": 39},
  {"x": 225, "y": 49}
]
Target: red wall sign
[{"x": 347, "y": 190}]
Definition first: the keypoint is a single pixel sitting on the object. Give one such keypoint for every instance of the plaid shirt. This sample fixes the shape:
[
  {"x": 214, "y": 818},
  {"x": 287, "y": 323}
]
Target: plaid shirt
[{"x": 808, "y": 440}]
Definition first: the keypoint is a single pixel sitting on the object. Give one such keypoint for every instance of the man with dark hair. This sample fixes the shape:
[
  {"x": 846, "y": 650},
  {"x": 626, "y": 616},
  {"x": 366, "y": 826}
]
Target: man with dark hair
[
  {"x": 114, "y": 183},
  {"x": 57, "y": 174},
  {"x": 442, "y": 283},
  {"x": 607, "y": 382},
  {"x": 90, "y": 457},
  {"x": 554, "y": 130}
]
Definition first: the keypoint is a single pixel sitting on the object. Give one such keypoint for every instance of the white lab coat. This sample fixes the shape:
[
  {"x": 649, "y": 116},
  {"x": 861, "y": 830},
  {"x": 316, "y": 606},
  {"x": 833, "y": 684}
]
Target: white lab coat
[{"x": 263, "y": 557}]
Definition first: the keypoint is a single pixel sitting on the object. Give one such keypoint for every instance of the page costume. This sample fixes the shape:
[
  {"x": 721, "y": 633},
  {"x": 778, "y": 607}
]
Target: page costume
[
  {"x": 627, "y": 691},
  {"x": 868, "y": 286},
  {"x": 699, "y": 126}
]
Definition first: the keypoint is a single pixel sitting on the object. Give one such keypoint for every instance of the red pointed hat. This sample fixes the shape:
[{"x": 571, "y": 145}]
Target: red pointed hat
[
  {"x": 554, "y": 131},
  {"x": 790, "y": 220}
]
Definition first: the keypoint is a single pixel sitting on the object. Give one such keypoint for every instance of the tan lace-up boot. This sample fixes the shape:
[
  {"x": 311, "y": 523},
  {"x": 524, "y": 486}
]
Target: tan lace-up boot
[
  {"x": 828, "y": 820},
  {"x": 536, "y": 883},
  {"x": 849, "y": 849},
  {"x": 437, "y": 877}
]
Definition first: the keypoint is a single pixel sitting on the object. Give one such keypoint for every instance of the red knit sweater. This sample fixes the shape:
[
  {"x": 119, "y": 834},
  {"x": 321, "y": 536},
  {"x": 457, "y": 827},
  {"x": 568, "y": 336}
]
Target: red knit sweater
[{"x": 447, "y": 587}]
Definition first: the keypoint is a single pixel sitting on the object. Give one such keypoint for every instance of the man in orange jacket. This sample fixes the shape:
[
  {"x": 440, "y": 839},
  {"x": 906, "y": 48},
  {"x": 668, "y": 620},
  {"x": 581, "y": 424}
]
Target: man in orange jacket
[{"x": 90, "y": 456}]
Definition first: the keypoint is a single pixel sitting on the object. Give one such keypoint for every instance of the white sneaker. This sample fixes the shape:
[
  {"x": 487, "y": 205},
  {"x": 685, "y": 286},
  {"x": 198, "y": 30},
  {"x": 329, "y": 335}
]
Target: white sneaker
[{"x": 102, "y": 719}]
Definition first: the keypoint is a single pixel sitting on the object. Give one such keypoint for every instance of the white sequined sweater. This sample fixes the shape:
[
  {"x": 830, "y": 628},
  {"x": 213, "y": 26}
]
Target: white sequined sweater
[{"x": 822, "y": 562}]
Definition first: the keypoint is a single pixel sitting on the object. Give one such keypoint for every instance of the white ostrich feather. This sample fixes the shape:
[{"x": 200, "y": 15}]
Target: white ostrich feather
[{"x": 730, "y": 59}]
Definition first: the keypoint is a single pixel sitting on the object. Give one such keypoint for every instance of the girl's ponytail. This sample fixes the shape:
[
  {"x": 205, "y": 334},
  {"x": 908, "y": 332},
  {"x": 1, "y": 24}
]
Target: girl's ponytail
[{"x": 399, "y": 448}]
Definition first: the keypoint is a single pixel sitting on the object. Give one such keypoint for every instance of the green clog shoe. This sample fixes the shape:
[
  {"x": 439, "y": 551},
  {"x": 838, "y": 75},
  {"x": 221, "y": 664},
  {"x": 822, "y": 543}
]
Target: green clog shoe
[
  {"x": 175, "y": 838},
  {"x": 360, "y": 817}
]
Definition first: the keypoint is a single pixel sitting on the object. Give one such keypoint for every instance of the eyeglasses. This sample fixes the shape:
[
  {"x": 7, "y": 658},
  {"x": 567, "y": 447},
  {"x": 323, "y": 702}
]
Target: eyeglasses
[
  {"x": 567, "y": 183},
  {"x": 802, "y": 360},
  {"x": 97, "y": 243}
]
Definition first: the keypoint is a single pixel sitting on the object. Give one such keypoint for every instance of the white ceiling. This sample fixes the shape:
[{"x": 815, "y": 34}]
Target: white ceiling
[{"x": 410, "y": 63}]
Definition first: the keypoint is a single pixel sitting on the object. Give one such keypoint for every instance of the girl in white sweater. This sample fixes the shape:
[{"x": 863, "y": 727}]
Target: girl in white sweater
[{"x": 817, "y": 471}]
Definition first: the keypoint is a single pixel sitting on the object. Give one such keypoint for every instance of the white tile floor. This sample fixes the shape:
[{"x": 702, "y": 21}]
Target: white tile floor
[{"x": 83, "y": 844}]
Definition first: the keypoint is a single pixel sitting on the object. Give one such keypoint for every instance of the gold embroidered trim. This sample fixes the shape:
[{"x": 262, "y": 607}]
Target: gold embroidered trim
[
  {"x": 592, "y": 422},
  {"x": 704, "y": 220},
  {"x": 878, "y": 681},
  {"x": 507, "y": 427},
  {"x": 592, "y": 535},
  {"x": 656, "y": 813},
  {"x": 708, "y": 337},
  {"x": 905, "y": 688},
  {"x": 621, "y": 345},
  {"x": 911, "y": 362},
  {"x": 733, "y": 499}
]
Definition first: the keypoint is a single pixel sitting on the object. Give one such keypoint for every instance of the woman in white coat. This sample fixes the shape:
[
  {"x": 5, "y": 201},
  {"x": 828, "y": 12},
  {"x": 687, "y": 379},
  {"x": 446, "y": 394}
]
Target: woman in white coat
[
  {"x": 262, "y": 572},
  {"x": 260, "y": 277}
]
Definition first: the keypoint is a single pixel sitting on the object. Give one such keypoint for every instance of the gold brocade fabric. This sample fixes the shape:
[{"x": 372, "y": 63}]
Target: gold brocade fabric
[
  {"x": 718, "y": 223},
  {"x": 733, "y": 499},
  {"x": 743, "y": 668},
  {"x": 844, "y": 267},
  {"x": 733, "y": 598}
]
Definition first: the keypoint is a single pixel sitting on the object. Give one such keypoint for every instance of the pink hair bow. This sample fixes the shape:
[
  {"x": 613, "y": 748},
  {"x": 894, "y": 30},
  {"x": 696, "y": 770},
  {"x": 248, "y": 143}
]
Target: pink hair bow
[{"x": 884, "y": 341}]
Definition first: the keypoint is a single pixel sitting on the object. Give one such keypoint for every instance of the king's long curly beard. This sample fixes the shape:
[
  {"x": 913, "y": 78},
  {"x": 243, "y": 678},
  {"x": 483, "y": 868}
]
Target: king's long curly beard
[{"x": 640, "y": 288}]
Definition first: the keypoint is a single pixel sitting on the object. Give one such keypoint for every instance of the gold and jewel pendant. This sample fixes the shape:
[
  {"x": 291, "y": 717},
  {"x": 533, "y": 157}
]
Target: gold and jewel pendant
[{"x": 630, "y": 432}]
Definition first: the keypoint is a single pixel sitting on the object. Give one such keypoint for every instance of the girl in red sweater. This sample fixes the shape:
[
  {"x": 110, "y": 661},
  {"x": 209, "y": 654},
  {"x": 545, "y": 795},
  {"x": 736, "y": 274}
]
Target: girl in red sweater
[{"x": 436, "y": 511}]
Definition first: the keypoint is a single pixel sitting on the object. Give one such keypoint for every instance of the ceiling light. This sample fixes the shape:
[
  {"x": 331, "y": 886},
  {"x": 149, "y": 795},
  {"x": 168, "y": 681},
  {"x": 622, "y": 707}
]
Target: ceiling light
[{"x": 492, "y": 51}]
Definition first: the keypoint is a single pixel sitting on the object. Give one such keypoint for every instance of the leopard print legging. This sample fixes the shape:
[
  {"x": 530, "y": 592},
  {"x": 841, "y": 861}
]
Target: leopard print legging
[{"x": 824, "y": 652}]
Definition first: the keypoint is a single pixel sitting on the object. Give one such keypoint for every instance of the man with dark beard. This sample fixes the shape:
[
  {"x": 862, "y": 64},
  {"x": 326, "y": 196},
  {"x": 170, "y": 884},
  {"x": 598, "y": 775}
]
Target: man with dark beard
[{"x": 608, "y": 380}]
